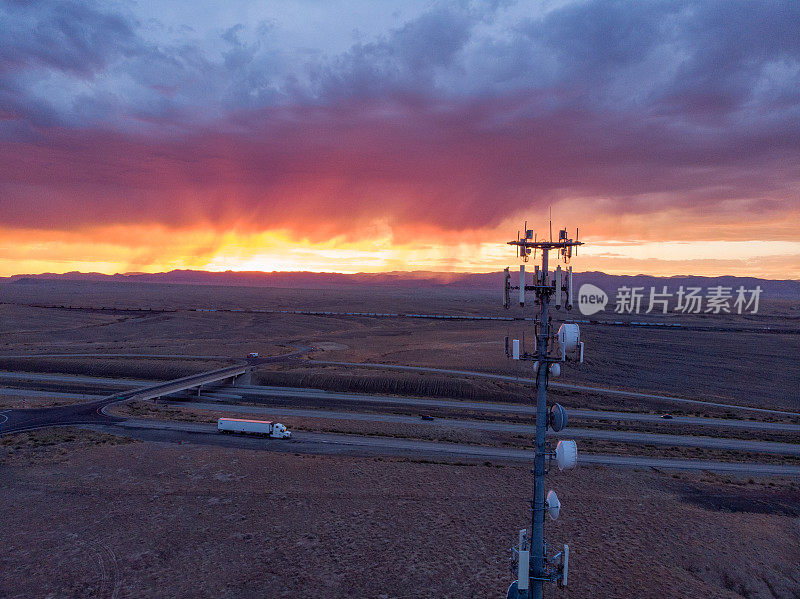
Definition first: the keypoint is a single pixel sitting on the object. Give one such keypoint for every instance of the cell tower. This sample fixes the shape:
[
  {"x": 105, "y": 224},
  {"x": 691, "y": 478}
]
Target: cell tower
[{"x": 530, "y": 558}]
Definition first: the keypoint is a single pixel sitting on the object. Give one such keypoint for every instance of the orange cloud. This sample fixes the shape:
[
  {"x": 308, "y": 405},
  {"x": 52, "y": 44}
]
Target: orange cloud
[{"x": 139, "y": 248}]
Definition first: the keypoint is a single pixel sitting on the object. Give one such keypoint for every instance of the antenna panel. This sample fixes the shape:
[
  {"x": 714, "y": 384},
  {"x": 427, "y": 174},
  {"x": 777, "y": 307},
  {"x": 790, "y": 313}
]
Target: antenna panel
[
  {"x": 566, "y": 454},
  {"x": 521, "y": 284},
  {"x": 559, "y": 284},
  {"x": 506, "y": 289},
  {"x": 523, "y": 573},
  {"x": 569, "y": 289},
  {"x": 515, "y": 349}
]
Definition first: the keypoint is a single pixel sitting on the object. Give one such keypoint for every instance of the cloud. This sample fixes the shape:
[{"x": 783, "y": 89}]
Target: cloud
[
  {"x": 71, "y": 37},
  {"x": 456, "y": 119},
  {"x": 340, "y": 167}
]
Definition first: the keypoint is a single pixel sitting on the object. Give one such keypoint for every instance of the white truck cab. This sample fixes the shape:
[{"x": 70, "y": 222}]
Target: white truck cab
[{"x": 279, "y": 431}]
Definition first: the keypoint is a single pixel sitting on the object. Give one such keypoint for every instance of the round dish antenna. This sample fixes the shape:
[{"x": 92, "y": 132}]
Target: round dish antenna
[
  {"x": 553, "y": 505},
  {"x": 557, "y": 418}
]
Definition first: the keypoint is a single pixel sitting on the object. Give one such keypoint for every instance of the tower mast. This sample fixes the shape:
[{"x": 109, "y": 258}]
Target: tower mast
[{"x": 534, "y": 568}]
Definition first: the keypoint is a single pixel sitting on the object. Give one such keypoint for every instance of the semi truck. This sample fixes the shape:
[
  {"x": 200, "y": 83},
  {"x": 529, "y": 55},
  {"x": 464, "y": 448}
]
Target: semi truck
[{"x": 267, "y": 428}]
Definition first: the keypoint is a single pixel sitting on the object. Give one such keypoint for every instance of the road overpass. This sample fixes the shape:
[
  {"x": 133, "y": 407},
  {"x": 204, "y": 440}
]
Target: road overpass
[{"x": 93, "y": 412}]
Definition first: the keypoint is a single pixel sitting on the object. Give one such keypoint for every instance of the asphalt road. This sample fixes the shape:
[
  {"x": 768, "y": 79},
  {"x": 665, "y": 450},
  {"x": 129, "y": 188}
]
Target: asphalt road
[
  {"x": 602, "y": 390},
  {"x": 273, "y": 412},
  {"x": 319, "y": 394},
  {"x": 94, "y": 381},
  {"x": 93, "y": 412},
  {"x": 140, "y": 356},
  {"x": 334, "y": 444},
  {"x": 528, "y": 409},
  {"x": 20, "y": 420},
  {"x": 670, "y": 440},
  {"x": 32, "y": 393}
]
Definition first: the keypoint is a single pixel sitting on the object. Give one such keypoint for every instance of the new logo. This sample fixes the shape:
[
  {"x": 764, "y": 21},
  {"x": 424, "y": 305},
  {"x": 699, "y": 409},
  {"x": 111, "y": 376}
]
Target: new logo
[{"x": 591, "y": 299}]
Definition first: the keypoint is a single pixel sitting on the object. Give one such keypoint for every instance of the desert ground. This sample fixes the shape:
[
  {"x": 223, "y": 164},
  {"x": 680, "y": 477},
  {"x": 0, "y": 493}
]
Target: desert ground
[
  {"x": 90, "y": 514},
  {"x": 95, "y": 517}
]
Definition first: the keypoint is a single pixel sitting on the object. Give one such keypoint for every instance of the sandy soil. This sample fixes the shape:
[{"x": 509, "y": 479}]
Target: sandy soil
[
  {"x": 151, "y": 520},
  {"x": 714, "y": 365},
  {"x": 92, "y": 516}
]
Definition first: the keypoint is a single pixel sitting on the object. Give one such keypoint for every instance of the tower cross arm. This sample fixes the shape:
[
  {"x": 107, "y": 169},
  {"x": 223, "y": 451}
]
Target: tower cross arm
[{"x": 545, "y": 245}]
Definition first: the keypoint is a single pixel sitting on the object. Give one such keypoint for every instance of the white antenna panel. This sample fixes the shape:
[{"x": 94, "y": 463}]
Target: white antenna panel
[
  {"x": 523, "y": 571},
  {"x": 559, "y": 284},
  {"x": 566, "y": 454},
  {"x": 515, "y": 349}
]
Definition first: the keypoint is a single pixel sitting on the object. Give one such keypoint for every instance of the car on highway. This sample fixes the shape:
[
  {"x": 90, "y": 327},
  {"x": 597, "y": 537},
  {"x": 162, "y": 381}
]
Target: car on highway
[
  {"x": 252, "y": 355},
  {"x": 426, "y": 417},
  {"x": 666, "y": 416}
]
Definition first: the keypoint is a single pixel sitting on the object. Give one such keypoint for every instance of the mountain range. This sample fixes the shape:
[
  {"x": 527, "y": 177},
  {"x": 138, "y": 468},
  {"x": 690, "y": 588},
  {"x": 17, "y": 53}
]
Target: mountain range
[{"x": 411, "y": 279}]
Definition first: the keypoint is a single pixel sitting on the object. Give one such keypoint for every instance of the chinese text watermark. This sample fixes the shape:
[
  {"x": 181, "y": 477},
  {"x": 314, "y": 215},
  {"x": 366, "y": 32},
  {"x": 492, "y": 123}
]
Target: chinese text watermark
[{"x": 660, "y": 300}]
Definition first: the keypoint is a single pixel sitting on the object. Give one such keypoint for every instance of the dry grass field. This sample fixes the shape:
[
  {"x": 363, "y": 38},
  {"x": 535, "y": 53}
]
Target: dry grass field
[
  {"x": 98, "y": 519},
  {"x": 754, "y": 368},
  {"x": 98, "y": 516}
]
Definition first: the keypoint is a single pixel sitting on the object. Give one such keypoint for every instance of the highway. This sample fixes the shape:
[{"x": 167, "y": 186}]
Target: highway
[
  {"x": 25, "y": 393},
  {"x": 298, "y": 351},
  {"x": 336, "y": 444},
  {"x": 272, "y": 412},
  {"x": 267, "y": 392},
  {"x": 601, "y": 390},
  {"x": 527, "y": 409},
  {"x": 131, "y": 356},
  {"x": 670, "y": 440},
  {"x": 93, "y": 412},
  {"x": 71, "y": 379},
  {"x": 403, "y": 315}
]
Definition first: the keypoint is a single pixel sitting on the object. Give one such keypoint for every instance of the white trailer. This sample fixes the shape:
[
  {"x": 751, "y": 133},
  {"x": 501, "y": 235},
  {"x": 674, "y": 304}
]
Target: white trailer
[{"x": 267, "y": 428}]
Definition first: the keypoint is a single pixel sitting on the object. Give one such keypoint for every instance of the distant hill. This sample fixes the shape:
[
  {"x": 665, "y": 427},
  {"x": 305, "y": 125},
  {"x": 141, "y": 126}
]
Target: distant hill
[{"x": 414, "y": 279}]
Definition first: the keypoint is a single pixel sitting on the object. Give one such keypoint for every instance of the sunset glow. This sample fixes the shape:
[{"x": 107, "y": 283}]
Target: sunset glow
[{"x": 142, "y": 138}]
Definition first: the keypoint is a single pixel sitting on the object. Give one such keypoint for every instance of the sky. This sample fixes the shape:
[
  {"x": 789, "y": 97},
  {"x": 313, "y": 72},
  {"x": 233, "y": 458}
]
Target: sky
[{"x": 363, "y": 136}]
